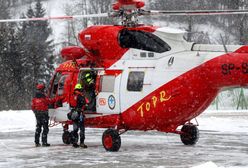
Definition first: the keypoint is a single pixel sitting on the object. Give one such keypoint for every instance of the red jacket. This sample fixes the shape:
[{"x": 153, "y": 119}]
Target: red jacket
[
  {"x": 79, "y": 100},
  {"x": 41, "y": 102}
]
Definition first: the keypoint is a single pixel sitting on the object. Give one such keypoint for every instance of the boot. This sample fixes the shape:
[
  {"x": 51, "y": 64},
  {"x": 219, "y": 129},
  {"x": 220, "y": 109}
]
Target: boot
[
  {"x": 45, "y": 144},
  {"x": 75, "y": 145},
  {"x": 44, "y": 140},
  {"x": 82, "y": 145},
  {"x": 37, "y": 145}
]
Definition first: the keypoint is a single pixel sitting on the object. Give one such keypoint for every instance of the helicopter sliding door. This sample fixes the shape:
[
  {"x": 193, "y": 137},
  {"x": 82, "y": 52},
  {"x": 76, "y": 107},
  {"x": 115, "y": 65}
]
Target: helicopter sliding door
[
  {"x": 60, "y": 85},
  {"x": 108, "y": 98}
]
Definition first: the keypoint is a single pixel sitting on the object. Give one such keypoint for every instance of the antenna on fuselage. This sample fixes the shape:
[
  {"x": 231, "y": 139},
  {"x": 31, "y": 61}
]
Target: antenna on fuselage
[{"x": 224, "y": 45}]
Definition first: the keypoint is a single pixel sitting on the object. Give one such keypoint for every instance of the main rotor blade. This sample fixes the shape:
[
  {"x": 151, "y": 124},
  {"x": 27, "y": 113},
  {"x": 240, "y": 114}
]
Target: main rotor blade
[
  {"x": 55, "y": 18},
  {"x": 196, "y": 12}
]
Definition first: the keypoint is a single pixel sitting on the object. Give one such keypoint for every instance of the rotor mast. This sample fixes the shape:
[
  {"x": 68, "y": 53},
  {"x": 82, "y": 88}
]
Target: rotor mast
[{"x": 128, "y": 11}]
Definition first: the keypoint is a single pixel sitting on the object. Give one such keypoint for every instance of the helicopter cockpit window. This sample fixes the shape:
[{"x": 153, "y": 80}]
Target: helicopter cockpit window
[
  {"x": 55, "y": 84},
  {"x": 142, "y": 40},
  {"x": 61, "y": 85},
  {"x": 135, "y": 81}
]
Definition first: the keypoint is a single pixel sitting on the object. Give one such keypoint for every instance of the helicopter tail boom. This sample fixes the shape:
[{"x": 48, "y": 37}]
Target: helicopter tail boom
[{"x": 229, "y": 70}]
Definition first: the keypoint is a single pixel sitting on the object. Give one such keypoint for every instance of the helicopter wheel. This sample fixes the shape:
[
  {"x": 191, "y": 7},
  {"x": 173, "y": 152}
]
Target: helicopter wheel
[
  {"x": 190, "y": 134},
  {"x": 111, "y": 140},
  {"x": 67, "y": 137}
]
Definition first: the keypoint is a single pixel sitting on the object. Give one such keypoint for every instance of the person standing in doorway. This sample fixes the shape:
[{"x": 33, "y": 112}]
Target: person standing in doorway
[{"x": 89, "y": 90}]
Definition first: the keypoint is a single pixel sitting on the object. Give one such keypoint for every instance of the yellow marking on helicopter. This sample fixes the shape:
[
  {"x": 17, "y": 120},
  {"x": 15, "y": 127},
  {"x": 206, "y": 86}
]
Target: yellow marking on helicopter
[
  {"x": 152, "y": 104},
  {"x": 69, "y": 65}
]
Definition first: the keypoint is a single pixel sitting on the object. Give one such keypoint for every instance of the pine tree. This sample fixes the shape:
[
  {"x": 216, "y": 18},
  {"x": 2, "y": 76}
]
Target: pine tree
[
  {"x": 37, "y": 50},
  {"x": 15, "y": 73},
  {"x": 6, "y": 64}
]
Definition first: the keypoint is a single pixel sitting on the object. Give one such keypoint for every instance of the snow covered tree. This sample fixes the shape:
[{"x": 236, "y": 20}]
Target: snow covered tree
[
  {"x": 97, "y": 6},
  {"x": 6, "y": 68},
  {"x": 236, "y": 25},
  {"x": 190, "y": 23},
  {"x": 15, "y": 73},
  {"x": 26, "y": 56},
  {"x": 36, "y": 49}
]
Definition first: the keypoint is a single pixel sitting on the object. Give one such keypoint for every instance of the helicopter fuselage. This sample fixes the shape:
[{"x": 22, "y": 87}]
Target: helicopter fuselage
[{"x": 148, "y": 78}]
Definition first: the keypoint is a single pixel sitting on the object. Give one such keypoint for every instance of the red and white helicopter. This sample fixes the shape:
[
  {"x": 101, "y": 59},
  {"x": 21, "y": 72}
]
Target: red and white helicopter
[{"x": 146, "y": 77}]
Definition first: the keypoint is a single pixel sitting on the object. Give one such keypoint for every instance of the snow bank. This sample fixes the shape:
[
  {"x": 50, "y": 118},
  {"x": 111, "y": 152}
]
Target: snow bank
[
  {"x": 17, "y": 121},
  {"x": 207, "y": 165},
  {"x": 229, "y": 121},
  {"x": 224, "y": 121}
]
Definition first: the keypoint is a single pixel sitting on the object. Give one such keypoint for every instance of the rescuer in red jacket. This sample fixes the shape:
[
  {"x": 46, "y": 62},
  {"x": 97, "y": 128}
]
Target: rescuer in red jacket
[
  {"x": 77, "y": 117},
  {"x": 40, "y": 104}
]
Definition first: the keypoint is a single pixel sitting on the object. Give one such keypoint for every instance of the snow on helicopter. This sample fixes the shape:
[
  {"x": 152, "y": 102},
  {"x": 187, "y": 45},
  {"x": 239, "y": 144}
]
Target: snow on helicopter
[{"x": 146, "y": 77}]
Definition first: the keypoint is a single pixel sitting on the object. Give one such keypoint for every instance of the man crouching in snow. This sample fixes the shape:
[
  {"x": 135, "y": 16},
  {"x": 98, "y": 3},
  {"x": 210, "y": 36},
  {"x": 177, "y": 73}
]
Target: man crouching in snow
[{"x": 40, "y": 104}]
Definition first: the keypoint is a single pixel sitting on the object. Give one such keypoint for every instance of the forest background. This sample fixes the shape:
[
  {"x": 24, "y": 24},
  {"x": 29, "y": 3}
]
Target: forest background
[{"x": 29, "y": 51}]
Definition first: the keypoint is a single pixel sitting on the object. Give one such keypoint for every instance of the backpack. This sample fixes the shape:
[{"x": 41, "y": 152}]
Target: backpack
[{"x": 73, "y": 115}]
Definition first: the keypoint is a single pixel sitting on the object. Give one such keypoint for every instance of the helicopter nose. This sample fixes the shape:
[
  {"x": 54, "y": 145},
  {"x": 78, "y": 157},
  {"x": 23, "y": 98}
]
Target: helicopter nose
[{"x": 229, "y": 70}]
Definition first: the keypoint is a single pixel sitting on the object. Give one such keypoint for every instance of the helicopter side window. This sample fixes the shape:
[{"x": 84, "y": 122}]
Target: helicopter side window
[
  {"x": 142, "y": 40},
  {"x": 107, "y": 83},
  {"x": 135, "y": 81}
]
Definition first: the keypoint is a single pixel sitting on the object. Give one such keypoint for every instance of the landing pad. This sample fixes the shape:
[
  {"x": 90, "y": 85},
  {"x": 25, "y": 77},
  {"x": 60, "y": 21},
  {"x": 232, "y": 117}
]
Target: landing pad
[{"x": 223, "y": 141}]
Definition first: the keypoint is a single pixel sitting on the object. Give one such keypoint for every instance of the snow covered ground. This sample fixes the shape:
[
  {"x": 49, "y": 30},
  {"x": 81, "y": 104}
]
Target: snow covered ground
[{"x": 223, "y": 141}]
